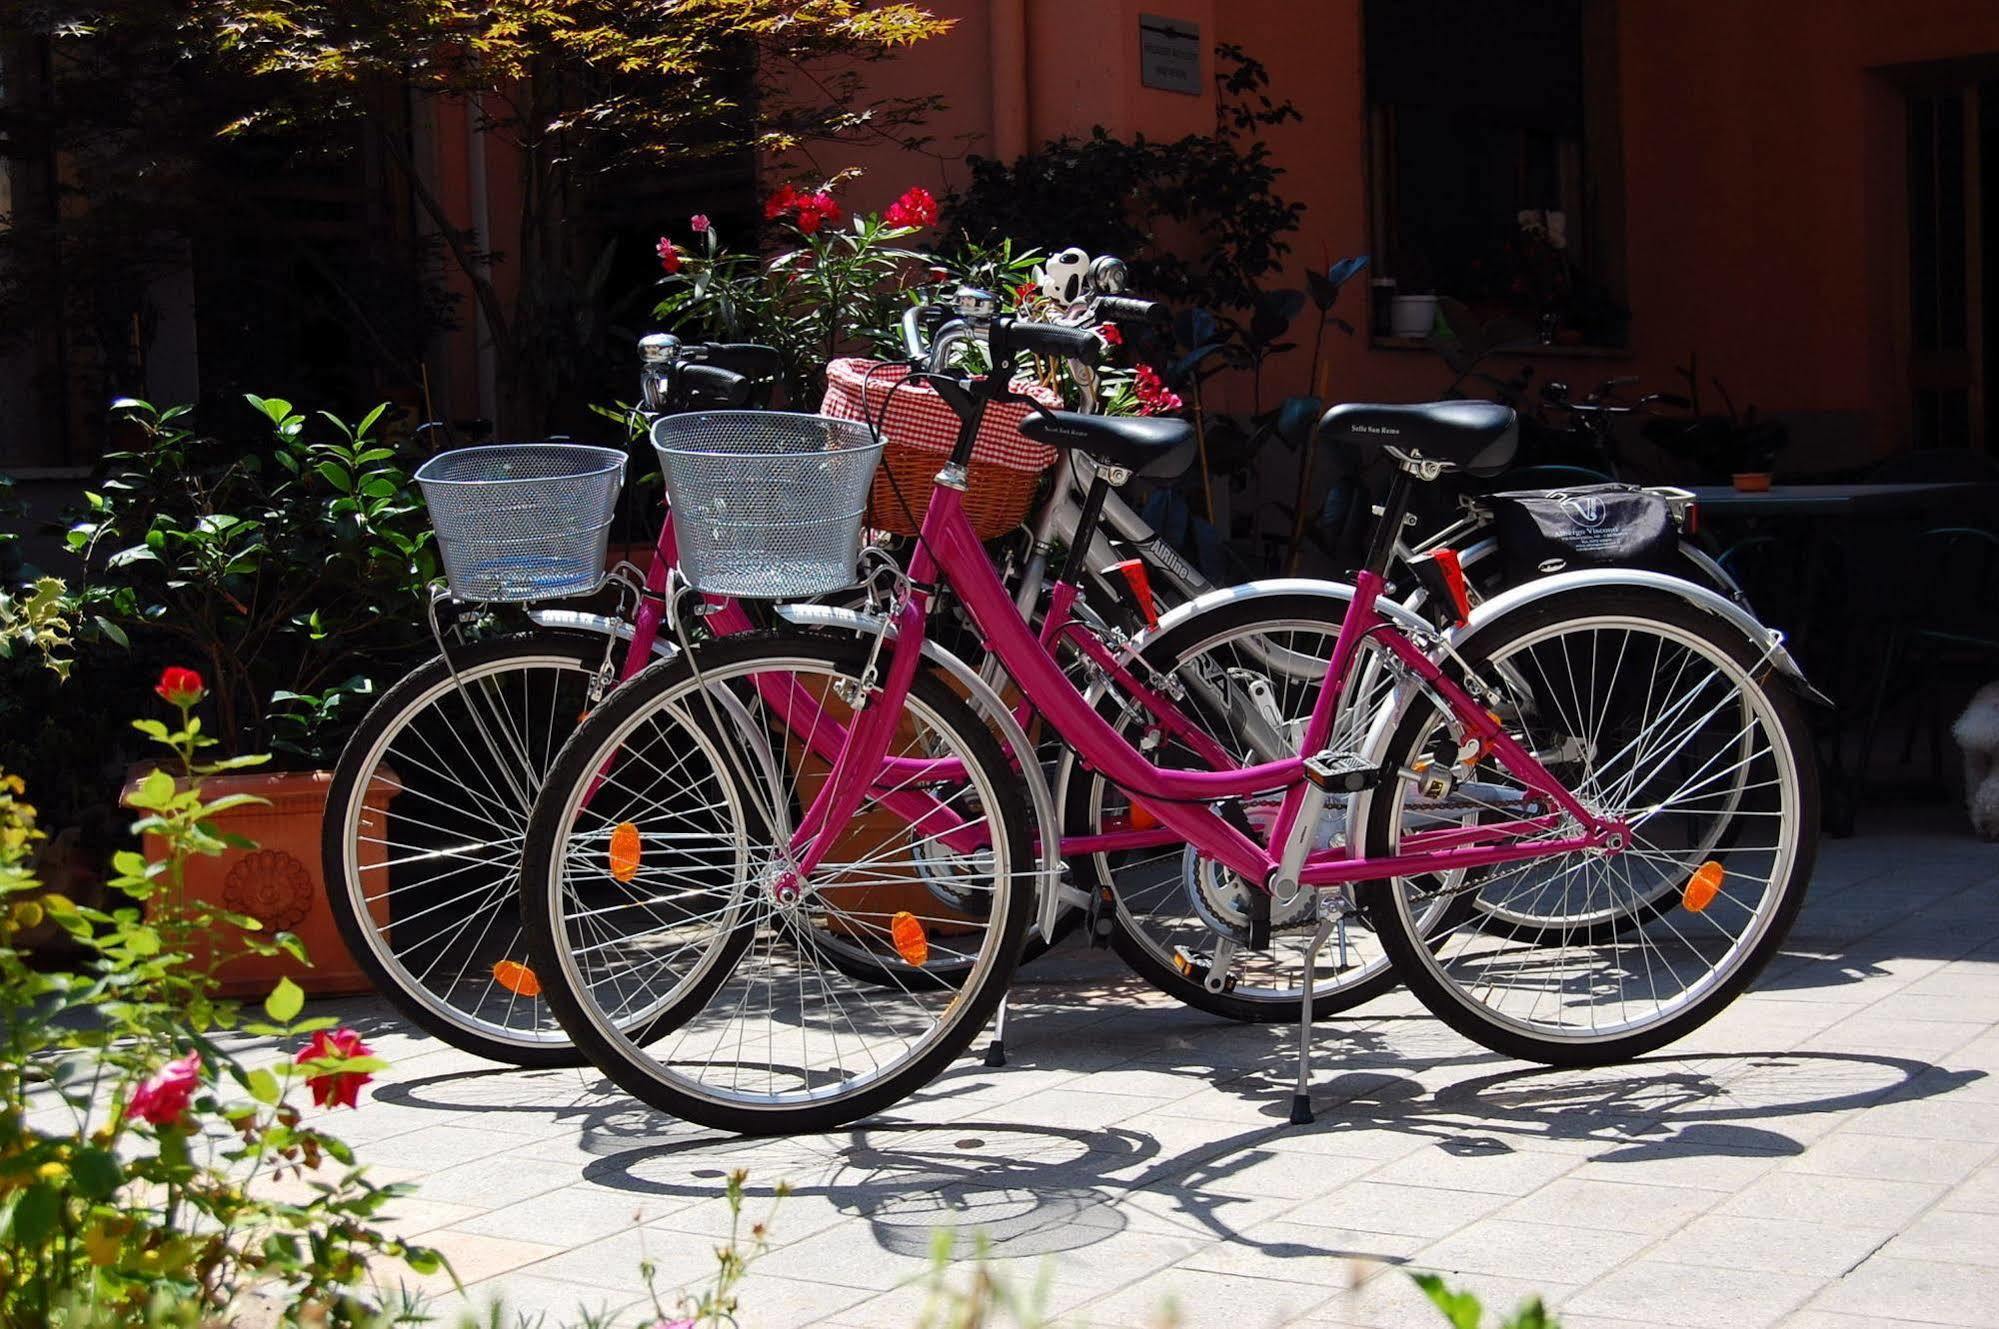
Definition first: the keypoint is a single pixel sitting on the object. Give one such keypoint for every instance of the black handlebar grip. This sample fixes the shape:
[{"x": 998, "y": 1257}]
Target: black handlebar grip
[
  {"x": 1124, "y": 309},
  {"x": 714, "y": 384},
  {"x": 1011, "y": 336},
  {"x": 744, "y": 357}
]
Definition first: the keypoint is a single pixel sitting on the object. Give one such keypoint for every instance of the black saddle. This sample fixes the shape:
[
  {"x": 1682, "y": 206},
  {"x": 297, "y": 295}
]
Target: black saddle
[
  {"x": 1477, "y": 437},
  {"x": 1155, "y": 446}
]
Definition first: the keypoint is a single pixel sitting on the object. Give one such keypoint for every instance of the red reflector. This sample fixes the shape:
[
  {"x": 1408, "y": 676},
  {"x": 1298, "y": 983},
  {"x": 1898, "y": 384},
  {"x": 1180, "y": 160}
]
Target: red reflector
[
  {"x": 1454, "y": 581},
  {"x": 1140, "y": 586}
]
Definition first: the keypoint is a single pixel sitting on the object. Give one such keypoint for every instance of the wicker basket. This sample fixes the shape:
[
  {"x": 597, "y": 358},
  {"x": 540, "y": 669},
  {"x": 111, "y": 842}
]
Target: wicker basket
[{"x": 921, "y": 428}]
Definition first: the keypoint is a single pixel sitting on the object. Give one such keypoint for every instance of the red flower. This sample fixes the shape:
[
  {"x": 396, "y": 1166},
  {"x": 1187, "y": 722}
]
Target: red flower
[
  {"x": 1024, "y": 293},
  {"x": 163, "y": 1096},
  {"x": 335, "y": 1088},
  {"x": 669, "y": 257},
  {"x": 180, "y": 687},
  {"x": 817, "y": 210},
  {"x": 1154, "y": 397},
  {"x": 698, "y": 223},
  {"x": 1109, "y": 332},
  {"x": 782, "y": 201},
  {"x": 916, "y": 209}
]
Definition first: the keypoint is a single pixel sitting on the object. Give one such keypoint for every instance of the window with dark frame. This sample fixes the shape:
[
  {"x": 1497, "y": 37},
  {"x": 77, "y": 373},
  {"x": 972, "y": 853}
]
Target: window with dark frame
[{"x": 1495, "y": 161}]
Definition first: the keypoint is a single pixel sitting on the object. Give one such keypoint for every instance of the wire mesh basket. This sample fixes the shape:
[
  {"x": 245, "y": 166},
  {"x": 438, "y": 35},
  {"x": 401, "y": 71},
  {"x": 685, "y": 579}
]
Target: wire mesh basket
[
  {"x": 766, "y": 505},
  {"x": 523, "y": 521}
]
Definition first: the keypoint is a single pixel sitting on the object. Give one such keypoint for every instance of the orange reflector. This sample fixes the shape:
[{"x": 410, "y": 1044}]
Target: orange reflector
[
  {"x": 624, "y": 851},
  {"x": 910, "y": 943},
  {"x": 1703, "y": 886},
  {"x": 1142, "y": 818},
  {"x": 516, "y": 978}
]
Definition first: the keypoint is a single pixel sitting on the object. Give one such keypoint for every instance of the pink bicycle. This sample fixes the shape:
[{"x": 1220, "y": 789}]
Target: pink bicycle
[{"x": 1587, "y": 739}]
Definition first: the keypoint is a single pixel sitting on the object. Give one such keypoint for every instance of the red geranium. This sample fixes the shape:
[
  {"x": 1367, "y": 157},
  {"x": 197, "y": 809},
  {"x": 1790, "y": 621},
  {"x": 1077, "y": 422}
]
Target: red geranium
[
  {"x": 163, "y": 1096},
  {"x": 180, "y": 687},
  {"x": 335, "y": 1088},
  {"x": 816, "y": 210},
  {"x": 916, "y": 209},
  {"x": 669, "y": 257},
  {"x": 1154, "y": 397},
  {"x": 782, "y": 201}
]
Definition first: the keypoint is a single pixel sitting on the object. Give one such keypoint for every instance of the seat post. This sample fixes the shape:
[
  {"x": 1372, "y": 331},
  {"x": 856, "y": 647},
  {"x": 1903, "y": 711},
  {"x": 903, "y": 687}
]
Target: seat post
[
  {"x": 1077, "y": 562},
  {"x": 1394, "y": 507}
]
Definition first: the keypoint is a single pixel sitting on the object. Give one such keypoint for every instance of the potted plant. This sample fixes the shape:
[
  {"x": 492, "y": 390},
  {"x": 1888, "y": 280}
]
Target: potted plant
[
  {"x": 293, "y": 566},
  {"x": 1739, "y": 446}
]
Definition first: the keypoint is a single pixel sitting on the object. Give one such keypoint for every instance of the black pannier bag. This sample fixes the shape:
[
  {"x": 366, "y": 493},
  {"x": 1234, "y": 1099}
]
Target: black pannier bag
[{"x": 1544, "y": 531}]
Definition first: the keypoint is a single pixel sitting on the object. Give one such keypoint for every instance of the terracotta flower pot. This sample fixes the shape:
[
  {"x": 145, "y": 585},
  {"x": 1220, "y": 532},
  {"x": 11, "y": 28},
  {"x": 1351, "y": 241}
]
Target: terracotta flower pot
[{"x": 279, "y": 882}]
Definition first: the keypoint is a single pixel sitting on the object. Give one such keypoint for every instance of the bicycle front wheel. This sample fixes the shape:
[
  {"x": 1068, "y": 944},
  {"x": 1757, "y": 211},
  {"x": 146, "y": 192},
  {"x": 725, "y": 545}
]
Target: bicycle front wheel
[
  {"x": 1650, "y": 712},
  {"x": 660, "y": 872}
]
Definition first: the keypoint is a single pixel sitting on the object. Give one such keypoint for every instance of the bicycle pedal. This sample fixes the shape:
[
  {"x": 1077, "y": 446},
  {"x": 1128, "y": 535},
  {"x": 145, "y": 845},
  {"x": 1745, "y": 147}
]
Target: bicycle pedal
[
  {"x": 1200, "y": 971},
  {"x": 1342, "y": 772},
  {"x": 1102, "y": 919}
]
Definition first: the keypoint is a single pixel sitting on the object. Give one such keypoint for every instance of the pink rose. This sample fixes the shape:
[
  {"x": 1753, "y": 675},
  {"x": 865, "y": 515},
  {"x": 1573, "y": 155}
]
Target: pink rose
[{"x": 163, "y": 1096}]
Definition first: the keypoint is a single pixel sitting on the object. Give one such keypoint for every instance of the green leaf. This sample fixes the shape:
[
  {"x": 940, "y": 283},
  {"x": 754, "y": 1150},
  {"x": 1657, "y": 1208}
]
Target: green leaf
[
  {"x": 155, "y": 792},
  {"x": 96, "y": 1172},
  {"x": 1460, "y": 1308},
  {"x": 285, "y": 1002},
  {"x": 336, "y": 475},
  {"x": 32, "y": 1216},
  {"x": 368, "y": 420},
  {"x": 263, "y": 1085}
]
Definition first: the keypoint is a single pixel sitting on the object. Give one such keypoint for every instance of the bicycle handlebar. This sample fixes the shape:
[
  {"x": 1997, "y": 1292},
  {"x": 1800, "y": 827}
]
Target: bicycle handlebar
[
  {"x": 1125, "y": 309},
  {"x": 1010, "y": 337},
  {"x": 725, "y": 386}
]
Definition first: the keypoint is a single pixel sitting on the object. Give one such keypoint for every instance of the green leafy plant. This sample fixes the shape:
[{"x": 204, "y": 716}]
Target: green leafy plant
[
  {"x": 1464, "y": 1311},
  {"x": 839, "y": 287},
  {"x": 284, "y": 564},
  {"x": 1215, "y": 195},
  {"x": 148, "y": 1172}
]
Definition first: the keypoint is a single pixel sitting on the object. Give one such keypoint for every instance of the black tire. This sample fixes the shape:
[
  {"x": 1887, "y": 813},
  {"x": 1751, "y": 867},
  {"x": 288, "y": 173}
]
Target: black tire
[
  {"x": 424, "y": 696},
  {"x": 625, "y": 1059},
  {"x": 1082, "y": 801},
  {"x": 1421, "y": 962}
]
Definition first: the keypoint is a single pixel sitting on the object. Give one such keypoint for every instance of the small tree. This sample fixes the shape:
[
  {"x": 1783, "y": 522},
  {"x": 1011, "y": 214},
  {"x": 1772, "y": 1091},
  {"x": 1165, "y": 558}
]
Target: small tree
[
  {"x": 575, "y": 89},
  {"x": 160, "y": 112}
]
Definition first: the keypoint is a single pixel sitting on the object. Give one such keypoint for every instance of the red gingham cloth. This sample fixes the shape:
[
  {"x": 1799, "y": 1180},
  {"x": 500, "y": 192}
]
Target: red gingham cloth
[{"x": 918, "y": 418}]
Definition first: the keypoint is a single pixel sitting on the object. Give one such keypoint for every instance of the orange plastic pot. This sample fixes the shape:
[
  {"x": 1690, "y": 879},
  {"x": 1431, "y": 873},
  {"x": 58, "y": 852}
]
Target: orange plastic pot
[{"x": 279, "y": 883}]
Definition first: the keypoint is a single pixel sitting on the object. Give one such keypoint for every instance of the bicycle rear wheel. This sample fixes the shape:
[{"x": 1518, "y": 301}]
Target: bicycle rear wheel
[
  {"x": 763, "y": 1031},
  {"x": 1649, "y": 711},
  {"x": 421, "y": 840}
]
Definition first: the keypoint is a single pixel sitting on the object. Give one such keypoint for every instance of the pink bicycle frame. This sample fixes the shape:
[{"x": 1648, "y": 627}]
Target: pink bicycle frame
[{"x": 1180, "y": 799}]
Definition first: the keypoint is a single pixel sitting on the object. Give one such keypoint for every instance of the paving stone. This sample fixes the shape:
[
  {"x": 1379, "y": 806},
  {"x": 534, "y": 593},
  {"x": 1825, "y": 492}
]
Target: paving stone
[
  {"x": 1418, "y": 1211},
  {"x": 1511, "y": 1172},
  {"x": 1538, "y": 1252},
  {"x": 1896, "y": 1158},
  {"x": 1776, "y": 1245},
  {"x": 1283, "y": 1249},
  {"x": 1949, "y": 1236},
  {"x": 571, "y": 1216},
  {"x": 1202, "y": 1297},
  {"x": 1390, "y": 1300},
  {"x": 1849, "y": 1201},
  {"x": 1922, "y": 1290},
  {"x": 1979, "y": 1194},
  {"x": 1657, "y": 1291},
  {"x": 1613, "y": 1206}
]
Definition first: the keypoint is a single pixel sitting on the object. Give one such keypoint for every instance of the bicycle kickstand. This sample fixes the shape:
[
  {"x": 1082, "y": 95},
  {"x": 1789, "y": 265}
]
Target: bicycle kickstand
[
  {"x": 1301, "y": 1098},
  {"x": 996, "y": 1053}
]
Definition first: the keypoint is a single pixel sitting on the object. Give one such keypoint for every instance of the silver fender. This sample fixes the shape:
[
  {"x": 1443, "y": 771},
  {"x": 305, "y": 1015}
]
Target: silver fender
[
  {"x": 1766, "y": 640},
  {"x": 998, "y": 714},
  {"x": 609, "y": 625}
]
